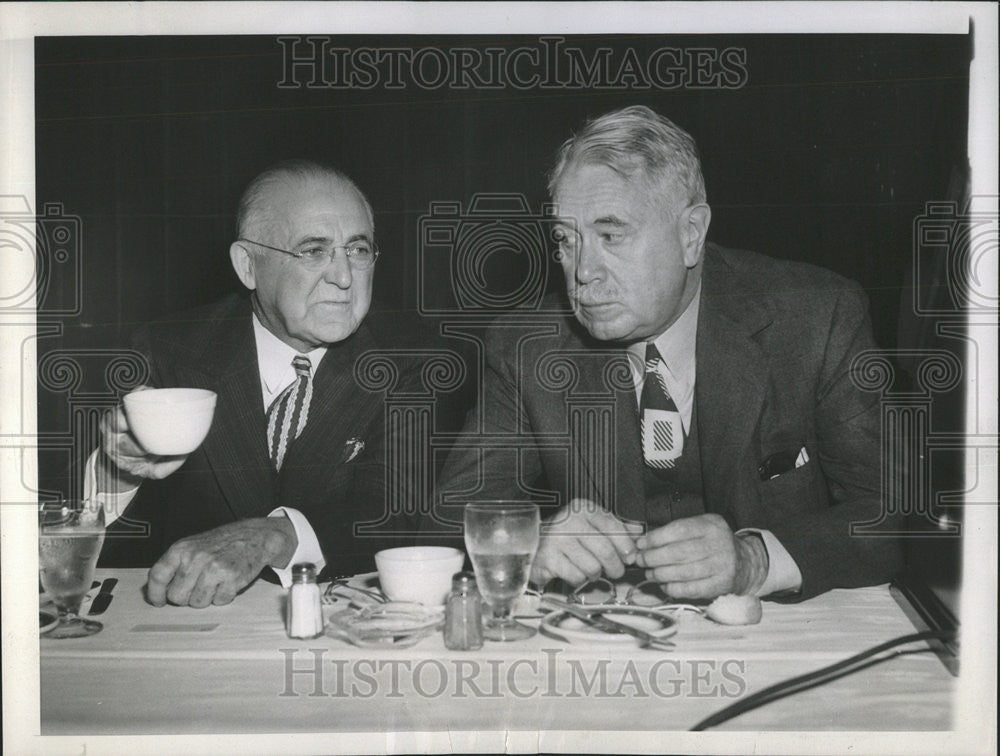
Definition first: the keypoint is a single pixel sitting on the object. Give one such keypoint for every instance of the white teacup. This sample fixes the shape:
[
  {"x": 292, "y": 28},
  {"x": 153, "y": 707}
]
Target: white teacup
[
  {"x": 170, "y": 421},
  {"x": 418, "y": 573}
]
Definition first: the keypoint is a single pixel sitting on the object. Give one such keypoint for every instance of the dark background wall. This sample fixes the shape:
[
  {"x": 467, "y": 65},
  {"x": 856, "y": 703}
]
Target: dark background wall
[{"x": 826, "y": 153}]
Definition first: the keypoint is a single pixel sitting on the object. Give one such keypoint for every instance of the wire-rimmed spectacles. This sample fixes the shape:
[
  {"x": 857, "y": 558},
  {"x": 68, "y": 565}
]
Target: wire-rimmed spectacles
[
  {"x": 361, "y": 254},
  {"x": 647, "y": 593}
]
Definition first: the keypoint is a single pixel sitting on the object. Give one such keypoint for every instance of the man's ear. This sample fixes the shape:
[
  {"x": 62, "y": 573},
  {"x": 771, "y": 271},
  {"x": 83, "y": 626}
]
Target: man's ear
[
  {"x": 243, "y": 264},
  {"x": 694, "y": 230}
]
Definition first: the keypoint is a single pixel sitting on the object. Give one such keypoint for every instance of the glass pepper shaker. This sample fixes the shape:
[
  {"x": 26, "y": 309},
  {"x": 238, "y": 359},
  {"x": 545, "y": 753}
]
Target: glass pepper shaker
[
  {"x": 305, "y": 609},
  {"x": 463, "y": 618}
]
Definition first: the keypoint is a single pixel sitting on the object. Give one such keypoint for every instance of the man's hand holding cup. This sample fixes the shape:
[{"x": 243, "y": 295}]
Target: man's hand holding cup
[{"x": 166, "y": 426}]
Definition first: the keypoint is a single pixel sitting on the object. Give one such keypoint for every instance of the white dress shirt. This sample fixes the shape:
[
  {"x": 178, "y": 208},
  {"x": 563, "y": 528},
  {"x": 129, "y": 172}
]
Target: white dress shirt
[
  {"x": 274, "y": 360},
  {"x": 677, "y": 347}
]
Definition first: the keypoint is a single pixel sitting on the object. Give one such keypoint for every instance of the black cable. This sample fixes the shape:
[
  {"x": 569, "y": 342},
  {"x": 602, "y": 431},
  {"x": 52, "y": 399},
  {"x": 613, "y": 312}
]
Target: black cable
[
  {"x": 823, "y": 680},
  {"x": 817, "y": 677}
]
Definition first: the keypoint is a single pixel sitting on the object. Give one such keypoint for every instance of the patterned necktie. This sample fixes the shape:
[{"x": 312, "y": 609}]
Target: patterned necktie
[
  {"x": 287, "y": 415},
  {"x": 662, "y": 432}
]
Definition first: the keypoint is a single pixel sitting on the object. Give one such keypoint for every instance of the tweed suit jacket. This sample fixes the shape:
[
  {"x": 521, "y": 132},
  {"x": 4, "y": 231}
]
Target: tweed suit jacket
[{"x": 557, "y": 419}]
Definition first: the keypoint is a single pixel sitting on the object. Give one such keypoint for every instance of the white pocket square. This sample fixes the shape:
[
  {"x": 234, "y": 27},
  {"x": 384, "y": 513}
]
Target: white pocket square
[
  {"x": 802, "y": 458},
  {"x": 352, "y": 448}
]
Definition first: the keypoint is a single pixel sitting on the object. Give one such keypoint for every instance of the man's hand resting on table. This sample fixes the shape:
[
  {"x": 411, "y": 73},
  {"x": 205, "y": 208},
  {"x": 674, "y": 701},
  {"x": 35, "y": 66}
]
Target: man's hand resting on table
[
  {"x": 212, "y": 567},
  {"x": 582, "y": 542},
  {"x": 700, "y": 557},
  {"x": 123, "y": 463}
]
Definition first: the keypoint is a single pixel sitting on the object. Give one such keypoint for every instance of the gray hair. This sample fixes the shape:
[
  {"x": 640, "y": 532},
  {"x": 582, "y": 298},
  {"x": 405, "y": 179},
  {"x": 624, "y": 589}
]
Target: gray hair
[
  {"x": 631, "y": 139},
  {"x": 254, "y": 208}
]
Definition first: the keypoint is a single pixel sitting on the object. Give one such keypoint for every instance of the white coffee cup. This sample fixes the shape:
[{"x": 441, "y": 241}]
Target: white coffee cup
[
  {"x": 418, "y": 573},
  {"x": 170, "y": 421}
]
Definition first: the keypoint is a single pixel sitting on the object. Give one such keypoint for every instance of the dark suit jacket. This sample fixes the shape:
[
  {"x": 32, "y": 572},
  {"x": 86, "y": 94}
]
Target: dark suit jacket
[
  {"x": 230, "y": 477},
  {"x": 774, "y": 345}
]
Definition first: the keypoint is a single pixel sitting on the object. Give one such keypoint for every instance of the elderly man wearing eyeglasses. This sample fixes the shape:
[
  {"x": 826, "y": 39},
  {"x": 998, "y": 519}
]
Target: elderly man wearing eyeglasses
[
  {"x": 294, "y": 457},
  {"x": 729, "y": 448}
]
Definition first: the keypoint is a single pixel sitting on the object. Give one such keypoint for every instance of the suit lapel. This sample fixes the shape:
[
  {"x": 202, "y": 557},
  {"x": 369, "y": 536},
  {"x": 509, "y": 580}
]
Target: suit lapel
[
  {"x": 236, "y": 447},
  {"x": 620, "y": 492},
  {"x": 730, "y": 384},
  {"x": 340, "y": 410},
  {"x": 631, "y": 504}
]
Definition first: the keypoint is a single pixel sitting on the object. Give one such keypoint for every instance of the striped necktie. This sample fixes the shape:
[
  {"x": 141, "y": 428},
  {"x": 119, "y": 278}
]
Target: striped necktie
[
  {"x": 287, "y": 415},
  {"x": 662, "y": 432}
]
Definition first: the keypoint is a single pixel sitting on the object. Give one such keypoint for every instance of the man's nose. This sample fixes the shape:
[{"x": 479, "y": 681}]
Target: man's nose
[
  {"x": 338, "y": 270},
  {"x": 589, "y": 262}
]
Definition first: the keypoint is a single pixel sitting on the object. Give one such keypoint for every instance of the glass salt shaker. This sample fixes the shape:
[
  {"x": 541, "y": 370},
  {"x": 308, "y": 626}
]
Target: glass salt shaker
[
  {"x": 463, "y": 618},
  {"x": 305, "y": 609}
]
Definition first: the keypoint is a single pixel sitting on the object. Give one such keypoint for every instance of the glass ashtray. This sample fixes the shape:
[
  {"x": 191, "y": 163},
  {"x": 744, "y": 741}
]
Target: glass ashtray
[{"x": 394, "y": 624}]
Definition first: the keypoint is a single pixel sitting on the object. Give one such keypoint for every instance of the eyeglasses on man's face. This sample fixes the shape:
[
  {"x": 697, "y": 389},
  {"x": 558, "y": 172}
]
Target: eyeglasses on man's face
[{"x": 360, "y": 254}]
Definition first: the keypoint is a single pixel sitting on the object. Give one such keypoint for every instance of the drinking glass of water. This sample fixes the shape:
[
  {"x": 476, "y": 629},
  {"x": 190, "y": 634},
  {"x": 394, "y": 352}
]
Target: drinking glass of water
[
  {"x": 70, "y": 535},
  {"x": 501, "y": 538}
]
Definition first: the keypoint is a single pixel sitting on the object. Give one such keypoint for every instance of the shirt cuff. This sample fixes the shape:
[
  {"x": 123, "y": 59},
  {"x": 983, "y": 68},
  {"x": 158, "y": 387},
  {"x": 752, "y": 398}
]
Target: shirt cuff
[
  {"x": 783, "y": 575},
  {"x": 114, "y": 503},
  {"x": 307, "y": 550}
]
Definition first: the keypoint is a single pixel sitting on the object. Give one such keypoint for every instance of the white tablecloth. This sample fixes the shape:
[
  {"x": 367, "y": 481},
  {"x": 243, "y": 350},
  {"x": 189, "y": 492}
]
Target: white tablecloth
[{"x": 233, "y": 669}]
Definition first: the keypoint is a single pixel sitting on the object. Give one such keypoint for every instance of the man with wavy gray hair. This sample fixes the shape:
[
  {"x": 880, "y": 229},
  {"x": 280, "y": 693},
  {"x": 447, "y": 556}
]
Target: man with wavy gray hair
[{"x": 741, "y": 453}]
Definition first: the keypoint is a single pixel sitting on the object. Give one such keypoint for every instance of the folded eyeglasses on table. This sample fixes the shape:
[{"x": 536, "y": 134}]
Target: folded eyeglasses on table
[{"x": 371, "y": 620}]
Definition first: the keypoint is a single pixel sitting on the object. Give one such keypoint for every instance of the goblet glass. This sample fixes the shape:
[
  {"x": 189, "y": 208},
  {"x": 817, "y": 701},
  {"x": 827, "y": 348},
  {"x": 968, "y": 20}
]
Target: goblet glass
[
  {"x": 70, "y": 535},
  {"x": 501, "y": 538}
]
